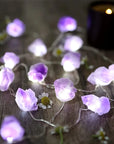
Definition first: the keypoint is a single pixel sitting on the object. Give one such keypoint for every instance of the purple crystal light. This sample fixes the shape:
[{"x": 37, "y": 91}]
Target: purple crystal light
[
  {"x": 11, "y": 130},
  {"x": 73, "y": 43},
  {"x": 6, "y": 78},
  {"x": 67, "y": 23},
  {"x": 38, "y": 48},
  {"x": 111, "y": 71},
  {"x": 98, "y": 105},
  {"x": 100, "y": 77},
  {"x": 64, "y": 89},
  {"x": 15, "y": 28},
  {"x": 26, "y": 100},
  {"x": 10, "y": 59},
  {"x": 37, "y": 72},
  {"x": 71, "y": 61}
]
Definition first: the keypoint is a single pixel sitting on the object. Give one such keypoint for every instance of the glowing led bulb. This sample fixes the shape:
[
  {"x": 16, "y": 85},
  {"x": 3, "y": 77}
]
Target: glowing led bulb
[
  {"x": 6, "y": 78},
  {"x": 11, "y": 130},
  {"x": 100, "y": 77},
  {"x": 15, "y": 28},
  {"x": 108, "y": 11},
  {"x": 26, "y": 100},
  {"x": 67, "y": 23},
  {"x": 71, "y": 61},
  {"x": 73, "y": 43},
  {"x": 64, "y": 89},
  {"x": 98, "y": 105},
  {"x": 37, "y": 72},
  {"x": 38, "y": 48},
  {"x": 10, "y": 60},
  {"x": 111, "y": 71}
]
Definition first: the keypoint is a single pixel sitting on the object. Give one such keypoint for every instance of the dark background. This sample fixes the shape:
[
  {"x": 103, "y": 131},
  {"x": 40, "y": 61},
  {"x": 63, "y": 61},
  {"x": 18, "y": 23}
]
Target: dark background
[{"x": 42, "y": 15}]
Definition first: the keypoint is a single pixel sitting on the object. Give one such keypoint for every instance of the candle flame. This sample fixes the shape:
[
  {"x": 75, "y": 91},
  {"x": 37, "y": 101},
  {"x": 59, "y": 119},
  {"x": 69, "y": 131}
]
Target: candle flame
[{"x": 108, "y": 11}]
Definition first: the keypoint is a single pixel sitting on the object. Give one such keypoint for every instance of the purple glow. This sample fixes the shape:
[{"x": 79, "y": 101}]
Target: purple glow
[
  {"x": 100, "y": 77},
  {"x": 98, "y": 105},
  {"x": 73, "y": 43},
  {"x": 38, "y": 48},
  {"x": 66, "y": 24},
  {"x": 26, "y": 100},
  {"x": 111, "y": 71},
  {"x": 71, "y": 61},
  {"x": 37, "y": 72},
  {"x": 11, "y": 130},
  {"x": 10, "y": 59},
  {"x": 15, "y": 28},
  {"x": 64, "y": 89},
  {"x": 6, "y": 78}
]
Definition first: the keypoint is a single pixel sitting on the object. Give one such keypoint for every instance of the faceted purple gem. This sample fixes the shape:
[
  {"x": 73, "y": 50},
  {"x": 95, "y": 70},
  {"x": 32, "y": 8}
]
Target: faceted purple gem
[
  {"x": 73, "y": 43},
  {"x": 37, "y": 72},
  {"x": 100, "y": 76},
  {"x": 6, "y": 78},
  {"x": 15, "y": 28},
  {"x": 98, "y": 105},
  {"x": 11, "y": 130},
  {"x": 26, "y": 100},
  {"x": 64, "y": 89},
  {"x": 10, "y": 60},
  {"x": 66, "y": 24},
  {"x": 71, "y": 61},
  {"x": 38, "y": 48}
]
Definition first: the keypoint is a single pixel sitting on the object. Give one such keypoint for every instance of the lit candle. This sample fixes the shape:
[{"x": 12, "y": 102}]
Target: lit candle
[
  {"x": 108, "y": 11},
  {"x": 100, "y": 26}
]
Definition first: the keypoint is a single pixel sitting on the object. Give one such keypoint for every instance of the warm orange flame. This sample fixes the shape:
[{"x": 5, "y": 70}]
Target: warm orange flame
[{"x": 108, "y": 11}]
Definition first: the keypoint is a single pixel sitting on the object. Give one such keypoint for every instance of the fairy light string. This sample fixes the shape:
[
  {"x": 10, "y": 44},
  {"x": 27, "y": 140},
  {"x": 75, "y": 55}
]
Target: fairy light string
[{"x": 65, "y": 89}]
